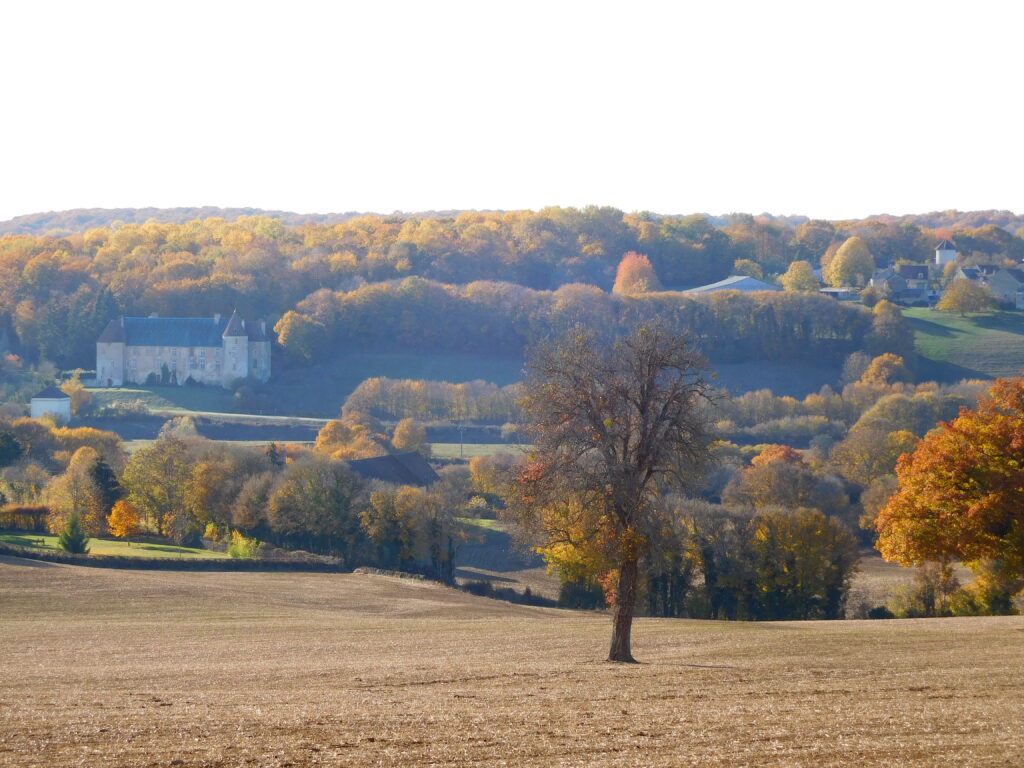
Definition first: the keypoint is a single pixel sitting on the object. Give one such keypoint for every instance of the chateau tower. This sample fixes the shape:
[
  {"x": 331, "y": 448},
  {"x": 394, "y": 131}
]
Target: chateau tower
[
  {"x": 110, "y": 355},
  {"x": 236, "y": 350}
]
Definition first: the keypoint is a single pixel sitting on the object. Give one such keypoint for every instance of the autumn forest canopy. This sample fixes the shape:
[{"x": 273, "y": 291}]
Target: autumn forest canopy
[{"x": 468, "y": 282}]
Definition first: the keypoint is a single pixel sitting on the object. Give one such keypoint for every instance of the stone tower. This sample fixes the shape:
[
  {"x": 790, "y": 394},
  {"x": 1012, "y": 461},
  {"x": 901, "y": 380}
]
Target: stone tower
[
  {"x": 110, "y": 355},
  {"x": 236, "y": 350},
  {"x": 945, "y": 253}
]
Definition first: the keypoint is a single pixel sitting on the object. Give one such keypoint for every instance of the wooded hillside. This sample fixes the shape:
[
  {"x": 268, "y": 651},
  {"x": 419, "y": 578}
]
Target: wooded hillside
[{"x": 502, "y": 278}]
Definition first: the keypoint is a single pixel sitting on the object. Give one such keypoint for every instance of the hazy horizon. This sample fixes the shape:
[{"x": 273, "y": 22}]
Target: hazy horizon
[{"x": 795, "y": 108}]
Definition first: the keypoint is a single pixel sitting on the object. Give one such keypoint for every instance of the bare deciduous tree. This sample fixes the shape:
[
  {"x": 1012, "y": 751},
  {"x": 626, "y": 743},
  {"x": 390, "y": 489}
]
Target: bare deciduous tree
[{"x": 613, "y": 423}]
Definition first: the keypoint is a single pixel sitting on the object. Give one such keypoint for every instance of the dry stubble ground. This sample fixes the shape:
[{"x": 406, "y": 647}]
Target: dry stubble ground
[{"x": 125, "y": 668}]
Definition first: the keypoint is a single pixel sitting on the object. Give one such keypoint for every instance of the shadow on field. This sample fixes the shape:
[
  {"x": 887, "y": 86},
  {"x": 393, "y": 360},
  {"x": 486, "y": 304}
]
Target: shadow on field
[
  {"x": 946, "y": 372},
  {"x": 1009, "y": 322},
  {"x": 462, "y": 573},
  {"x": 493, "y": 550},
  {"x": 28, "y": 540},
  {"x": 167, "y": 548},
  {"x": 934, "y": 329},
  {"x": 4, "y": 560}
]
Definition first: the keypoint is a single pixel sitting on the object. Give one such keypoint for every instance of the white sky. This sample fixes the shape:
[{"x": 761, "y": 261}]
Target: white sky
[{"x": 829, "y": 109}]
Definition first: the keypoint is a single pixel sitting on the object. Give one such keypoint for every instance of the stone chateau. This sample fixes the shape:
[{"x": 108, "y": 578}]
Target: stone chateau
[{"x": 211, "y": 350}]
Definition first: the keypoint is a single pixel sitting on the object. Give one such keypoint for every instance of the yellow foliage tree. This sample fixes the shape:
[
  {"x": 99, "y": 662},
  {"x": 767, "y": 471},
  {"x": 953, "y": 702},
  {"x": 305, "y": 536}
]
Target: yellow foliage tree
[
  {"x": 965, "y": 296},
  {"x": 73, "y": 388},
  {"x": 410, "y": 435},
  {"x": 799, "y": 277},
  {"x": 884, "y": 370},
  {"x": 852, "y": 265},
  {"x": 124, "y": 520}
]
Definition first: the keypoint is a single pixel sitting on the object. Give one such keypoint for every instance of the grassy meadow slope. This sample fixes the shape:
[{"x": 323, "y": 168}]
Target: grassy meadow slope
[
  {"x": 112, "y": 547},
  {"x": 143, "y": 668},
  {"x": 320, "y": 391},
  {"x": 982, "y": 346}
]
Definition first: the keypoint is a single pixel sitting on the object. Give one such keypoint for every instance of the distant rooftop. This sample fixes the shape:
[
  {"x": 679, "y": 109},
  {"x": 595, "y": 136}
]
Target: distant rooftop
[
  {"x": 51, "y": 393},
  {"x": 397, "y": 468},
  {"x": 736, "y": 283}
]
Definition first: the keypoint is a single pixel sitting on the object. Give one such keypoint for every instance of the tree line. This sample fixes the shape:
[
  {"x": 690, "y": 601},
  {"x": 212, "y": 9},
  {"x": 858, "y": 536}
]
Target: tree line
[
  {"x": 503, "y": 318},
  {"x": 57, "y": 293}
]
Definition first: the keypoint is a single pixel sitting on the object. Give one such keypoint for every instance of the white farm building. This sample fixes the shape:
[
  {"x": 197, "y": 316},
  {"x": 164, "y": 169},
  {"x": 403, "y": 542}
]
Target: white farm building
[{"x": 53, "y": 402}]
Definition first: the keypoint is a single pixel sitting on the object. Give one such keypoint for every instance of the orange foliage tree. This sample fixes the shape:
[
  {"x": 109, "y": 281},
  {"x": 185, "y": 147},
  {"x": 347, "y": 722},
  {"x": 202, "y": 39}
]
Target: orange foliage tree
[
  {"x": 635, "y": 275},
  {"x": 960, "y": 493},
  {"x": 124, "y": 520}
]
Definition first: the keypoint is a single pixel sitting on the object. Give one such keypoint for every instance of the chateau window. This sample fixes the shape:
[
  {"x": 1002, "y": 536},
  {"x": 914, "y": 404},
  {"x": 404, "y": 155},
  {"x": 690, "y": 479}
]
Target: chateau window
[{"x": 192, "y": 363}]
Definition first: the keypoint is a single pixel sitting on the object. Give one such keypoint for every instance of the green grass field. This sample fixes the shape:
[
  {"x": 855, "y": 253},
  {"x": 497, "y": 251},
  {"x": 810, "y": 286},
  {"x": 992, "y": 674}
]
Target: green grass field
[
  {"x": 110, "y": 547},
  {"x": 981, "y": 346},
  {"x": 469, "y": 450},
  {"x": 212, "y": 399},
  {"x": 321, "y": 390}
]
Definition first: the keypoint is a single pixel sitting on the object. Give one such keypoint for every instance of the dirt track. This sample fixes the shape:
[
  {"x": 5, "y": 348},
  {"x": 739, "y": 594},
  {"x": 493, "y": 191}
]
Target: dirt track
[{"x": 118, "y": 668}]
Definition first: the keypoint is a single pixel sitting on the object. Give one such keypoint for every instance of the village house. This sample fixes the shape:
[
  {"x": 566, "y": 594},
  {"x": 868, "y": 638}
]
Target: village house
[
  {"x": 915, "y": 275},
  {"x": 888, "y": 282},
  {"x": 172, "y": 350},
  {"x": 1007, "y": 285},
  {"x": 979, "y": 273}
]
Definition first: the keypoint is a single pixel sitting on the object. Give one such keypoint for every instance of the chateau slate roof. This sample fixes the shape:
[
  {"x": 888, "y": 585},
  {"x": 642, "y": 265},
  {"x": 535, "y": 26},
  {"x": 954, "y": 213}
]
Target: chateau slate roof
[
  {"x": 946, "y": 245},
  {"x": 179, "y": 331},
  {"x": 397, "y": 468},
  {"x": 114, "y": 332},
  {"x": 736, "y": 283},
  {"x": 255, "y": 331},
  {"x": 51, "y": 393},
  {"x": 235, "y": 326},
  {"x": 173, "y": 331}
]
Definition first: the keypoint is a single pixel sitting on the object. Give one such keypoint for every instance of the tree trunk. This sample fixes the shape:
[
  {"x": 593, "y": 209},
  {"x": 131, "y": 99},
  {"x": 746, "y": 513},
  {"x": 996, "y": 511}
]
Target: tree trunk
[{"x": 622, "y": 620}]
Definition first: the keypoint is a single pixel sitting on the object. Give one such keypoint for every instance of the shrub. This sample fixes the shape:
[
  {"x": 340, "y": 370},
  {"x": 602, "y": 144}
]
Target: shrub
[
  {"x": 242, "y": 546},
  {"x": 124, "y": 409}
]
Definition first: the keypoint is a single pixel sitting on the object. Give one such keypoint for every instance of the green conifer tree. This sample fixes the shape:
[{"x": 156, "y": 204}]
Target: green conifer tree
[{"x": 72, "y": 536}]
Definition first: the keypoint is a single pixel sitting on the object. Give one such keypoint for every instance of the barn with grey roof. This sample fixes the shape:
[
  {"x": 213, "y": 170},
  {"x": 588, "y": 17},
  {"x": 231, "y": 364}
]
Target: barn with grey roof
[{"x": 171, "y": 350}]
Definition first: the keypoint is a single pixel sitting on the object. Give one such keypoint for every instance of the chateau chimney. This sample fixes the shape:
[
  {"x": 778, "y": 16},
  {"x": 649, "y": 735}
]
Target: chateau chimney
[
  {"x": 263, "y": 327},
  {"x": 154, "y": 314},
  {"x": 216, "y": 317}
]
